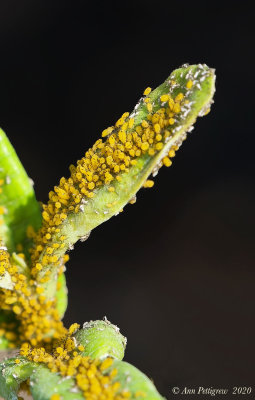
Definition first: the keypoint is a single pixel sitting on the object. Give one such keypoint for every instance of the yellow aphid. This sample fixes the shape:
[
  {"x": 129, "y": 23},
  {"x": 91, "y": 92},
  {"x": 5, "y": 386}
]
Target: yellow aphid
[
  {"x": 122, "y": 136},
  {"x": 111, "y": 140},
  {"x": 171, "y": 153},
  {"x": 55, "y": 397},
  {"x": 148, "y": 184},
  {"x": 106, "y": 363},
  {"x": 149, "y": 107},
  {"x": 147, "y": 91},
  {"x": 155, "y": 118},
  {"x": 107, "y": 131},
  {"x": 144, "y": 124},
  {"x": 189, "y": 84},
  {"x": 167, "y": 162},
  {"x": 131, "y": 123},
  {"x": 179, "y": 97},
  {"x": 157, "y": 128},
  {"x": 91, "y": 185},
  {"x": 11, "y": 300},
  {"x": 39, "y": 290},
  {"x": 177, "y": 108},
  {"x": 66, "y": 258},
  {"x": 73, "y": 328},
  {"x": 159, "y": 146},
  {"x": 17, "y": 309},
  {"x": 164, "y": 97},
  {"x": 171, "y": 104},
  {"x": 145, "y": 146}
]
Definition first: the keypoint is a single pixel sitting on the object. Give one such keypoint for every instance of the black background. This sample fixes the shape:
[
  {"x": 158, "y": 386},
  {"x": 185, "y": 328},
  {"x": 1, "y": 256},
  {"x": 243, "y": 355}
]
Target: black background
[{"x": 176, "y": 270}]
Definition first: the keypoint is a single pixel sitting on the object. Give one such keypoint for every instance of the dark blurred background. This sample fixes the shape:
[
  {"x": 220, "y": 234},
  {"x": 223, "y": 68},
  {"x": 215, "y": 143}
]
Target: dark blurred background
[{"x": 176, "y": 270}]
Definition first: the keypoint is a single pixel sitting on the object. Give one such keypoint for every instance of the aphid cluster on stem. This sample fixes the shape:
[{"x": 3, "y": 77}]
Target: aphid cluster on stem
[{"x": 61, "y": 364}]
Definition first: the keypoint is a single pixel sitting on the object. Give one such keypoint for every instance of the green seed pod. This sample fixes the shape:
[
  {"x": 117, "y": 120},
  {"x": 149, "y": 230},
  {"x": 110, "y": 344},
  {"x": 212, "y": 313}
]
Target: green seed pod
[
  {"x": 137, "y": 146},
  {"x": 101, "y": 339},
  {"x": 134, "y": 381}
]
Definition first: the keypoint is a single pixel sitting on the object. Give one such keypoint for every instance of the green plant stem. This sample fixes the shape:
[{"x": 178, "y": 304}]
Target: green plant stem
[{"x": 95, "y": 211}]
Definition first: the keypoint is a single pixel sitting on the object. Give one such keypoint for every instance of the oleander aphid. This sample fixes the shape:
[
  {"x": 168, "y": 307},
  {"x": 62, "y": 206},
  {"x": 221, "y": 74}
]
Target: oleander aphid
[{"x": 54, "y": 362}]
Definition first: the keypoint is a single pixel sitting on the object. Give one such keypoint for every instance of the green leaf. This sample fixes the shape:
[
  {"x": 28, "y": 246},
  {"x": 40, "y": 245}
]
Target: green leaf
[{"x": 17, "y": 197}]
